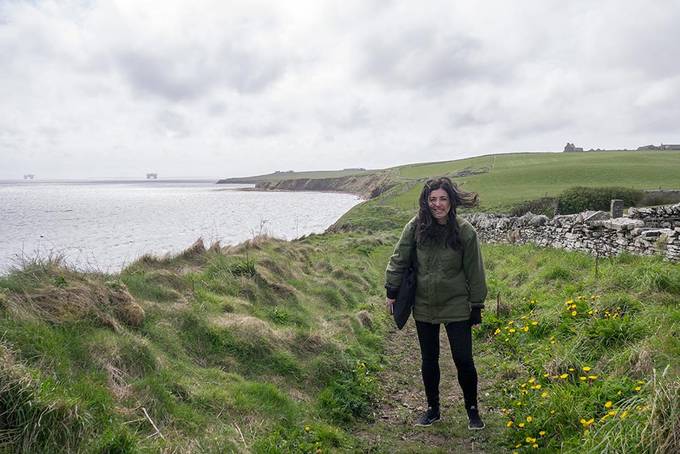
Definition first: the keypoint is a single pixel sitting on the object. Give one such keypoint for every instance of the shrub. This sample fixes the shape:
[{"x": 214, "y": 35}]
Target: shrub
[
  {"x": 544, "y": 205},
  {"x": 578, "y": 198}
]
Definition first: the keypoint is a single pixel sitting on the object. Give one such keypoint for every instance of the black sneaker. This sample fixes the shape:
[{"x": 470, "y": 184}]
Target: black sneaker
[
  {"x": 429, "y": 417},
  {"x": 475, "y": 422}
]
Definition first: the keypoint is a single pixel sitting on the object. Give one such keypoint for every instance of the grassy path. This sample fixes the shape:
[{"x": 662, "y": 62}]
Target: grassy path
[{"x": 402, "y": 400}]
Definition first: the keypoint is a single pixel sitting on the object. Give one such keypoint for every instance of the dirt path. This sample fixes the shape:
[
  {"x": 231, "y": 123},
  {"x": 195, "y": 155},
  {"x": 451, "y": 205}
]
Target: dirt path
[{"x": 403, "y": 400}]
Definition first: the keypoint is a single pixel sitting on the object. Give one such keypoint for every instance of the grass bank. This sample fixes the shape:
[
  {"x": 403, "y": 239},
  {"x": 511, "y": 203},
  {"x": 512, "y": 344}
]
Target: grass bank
[
  {"x": 278, "y": 347},
  {"x": 270, "y": 346}
]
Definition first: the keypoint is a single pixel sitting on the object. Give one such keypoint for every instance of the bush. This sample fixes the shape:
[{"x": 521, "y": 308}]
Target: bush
[
  {"x": 545, "y": 205},
  {"x": 578, "y": 198}
]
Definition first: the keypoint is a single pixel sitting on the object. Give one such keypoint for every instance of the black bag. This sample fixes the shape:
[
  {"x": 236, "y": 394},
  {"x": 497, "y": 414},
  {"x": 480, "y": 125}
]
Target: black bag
[{"x": 401, "y": 310}]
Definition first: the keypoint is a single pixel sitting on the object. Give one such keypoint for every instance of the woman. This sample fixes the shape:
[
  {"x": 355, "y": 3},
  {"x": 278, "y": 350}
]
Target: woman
[{"x": 450, "y": 288}]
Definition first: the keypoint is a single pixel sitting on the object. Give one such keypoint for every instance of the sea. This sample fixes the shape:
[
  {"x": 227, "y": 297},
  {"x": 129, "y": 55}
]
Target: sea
[{"x": 104, "y": 225}]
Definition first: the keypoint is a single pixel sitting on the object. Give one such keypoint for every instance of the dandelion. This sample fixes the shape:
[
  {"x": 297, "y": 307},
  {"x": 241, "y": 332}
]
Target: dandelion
[
  {"x": 587, "y": 422},
  {"x": 546, "y": 375},
  {"x": 624, "y": 414},
  {"x": 498, "y": 331},
  {"x": 573, "y": 313},
  {"x": 582, "y": 378},
  {"x": 541, "y": 433},
  {"x": 569, "y": 302},
  {"x": 531, "y": 380},
  {"x": 563, "y": 376},
  {"x": 608, "y": 404},
  {"x": 535, "y": 445},
  {"x": 612, "y": 412},
  {"x": 552, "y": 412},
  {"x": 571, "y": 369},
  {"x": 512, "y": 330},
  {"x": 592, "y": 377},
  {"x": 307, "y": 428},
  {"x": 509, "y": 424},
  {"x": 637, "y": 388},
  {"x": 537, "y": 386},
  {"x": 525, "y": 329},
  {"x": 586, "y": 369},
  {"x": 530, "y": 418},
  {"x": 640, "y": 382},
  {"x": 521, "y": 425},
  {"x": 544, "y": 394},
  {"x": 530, "y": 440},
  {"x": 534, "y": 323}
]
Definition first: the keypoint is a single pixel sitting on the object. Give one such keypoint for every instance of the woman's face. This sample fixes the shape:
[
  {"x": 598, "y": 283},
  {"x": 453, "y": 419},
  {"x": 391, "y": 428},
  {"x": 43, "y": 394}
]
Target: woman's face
[{"x": 440, "y": 205}]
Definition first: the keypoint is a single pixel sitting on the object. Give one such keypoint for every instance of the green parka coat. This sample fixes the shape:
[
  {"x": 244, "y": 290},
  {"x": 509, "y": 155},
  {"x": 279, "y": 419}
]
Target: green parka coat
[{"x": 449, "y": 283}]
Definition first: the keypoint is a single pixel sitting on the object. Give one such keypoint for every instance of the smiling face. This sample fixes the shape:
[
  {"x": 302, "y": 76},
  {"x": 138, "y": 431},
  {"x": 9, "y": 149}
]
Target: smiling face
[{"x": 440, "y": 205}]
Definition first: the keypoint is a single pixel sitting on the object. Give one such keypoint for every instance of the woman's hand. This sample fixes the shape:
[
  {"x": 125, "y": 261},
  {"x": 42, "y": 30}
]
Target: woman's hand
[
  {"x": 475, "y": 317},
  {"x": 389, "y": 304}
]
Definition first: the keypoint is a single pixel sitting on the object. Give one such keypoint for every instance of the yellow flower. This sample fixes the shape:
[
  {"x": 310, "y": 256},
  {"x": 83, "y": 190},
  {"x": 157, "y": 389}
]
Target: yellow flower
[
  {"x": 586, "y": 369},
  {"x": 608, "y": 404},
  {"x": 534, "y": 323},
  {"x": 640, "y": 382},
  {"x": 563, "y": 376},
  {"x": 569, "y": 302},
  {"x": 532, "y": 379},
  {"x": 624, "y": 414},
  {"x": 525, "y": 329},
  {"x": 530, "y": 418},
  {"x": 637, "y": 388},
  {"x": 544, "y": 394},
  {"x": 573, "y": 313},
  {"x": 571, "y": 369},
  {"x": 546, "y": 375},
  {"x": 509, "y": 424},
  {"x": 552, "y": 412},
  {"x": 521, "y": 424},
  {"x": 587, "y": 422},
  {"x": 612, "y": 412},
  {"x": 307, "y": 428},
  {"x": 537, "y": 386},
  {"x": 582, "y": 378},
  {"x": 512, "y": 330},
  {"x": 530, "y": 440},
  {"x": 535, "y": 445},
  {"x": 541, "y": 433},
  {"x": 498, "y": 330},
  {"x": 592, "y": 377}
]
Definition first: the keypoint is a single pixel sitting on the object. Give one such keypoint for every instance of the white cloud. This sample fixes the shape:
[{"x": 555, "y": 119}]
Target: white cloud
[{"x": 226, "y": 88}]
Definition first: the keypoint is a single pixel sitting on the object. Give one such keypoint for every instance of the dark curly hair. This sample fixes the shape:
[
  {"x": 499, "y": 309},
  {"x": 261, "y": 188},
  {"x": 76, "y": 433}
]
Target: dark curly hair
[{"x": 425, "y": 223}]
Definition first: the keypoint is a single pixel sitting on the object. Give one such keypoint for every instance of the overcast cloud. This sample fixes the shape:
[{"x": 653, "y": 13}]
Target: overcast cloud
[{"x": 93, "y": 88}]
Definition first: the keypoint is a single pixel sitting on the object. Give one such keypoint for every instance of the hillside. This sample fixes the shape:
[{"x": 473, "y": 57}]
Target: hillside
[{"x": 274, "y": 346}]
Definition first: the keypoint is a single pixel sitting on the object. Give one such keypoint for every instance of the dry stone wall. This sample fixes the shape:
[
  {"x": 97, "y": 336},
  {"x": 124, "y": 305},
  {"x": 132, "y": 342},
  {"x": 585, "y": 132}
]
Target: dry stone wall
[{"x": 644, "y": 231}]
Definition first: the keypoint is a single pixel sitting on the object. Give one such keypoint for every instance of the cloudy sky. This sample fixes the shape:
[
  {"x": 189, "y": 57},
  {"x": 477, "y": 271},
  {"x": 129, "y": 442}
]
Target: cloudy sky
[{"x": 94, "y": 88}]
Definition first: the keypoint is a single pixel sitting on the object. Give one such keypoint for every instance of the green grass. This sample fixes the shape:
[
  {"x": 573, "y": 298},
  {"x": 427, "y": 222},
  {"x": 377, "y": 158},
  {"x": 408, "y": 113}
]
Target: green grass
[{"x": 274, "y": 346}]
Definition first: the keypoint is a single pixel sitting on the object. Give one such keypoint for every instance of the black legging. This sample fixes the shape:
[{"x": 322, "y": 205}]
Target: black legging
[{"x": 460, "y": 340}]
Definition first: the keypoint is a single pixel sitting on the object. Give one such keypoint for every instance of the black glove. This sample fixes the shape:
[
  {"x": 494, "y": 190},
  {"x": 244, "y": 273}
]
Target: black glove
[{"x": 475, "y": 316}]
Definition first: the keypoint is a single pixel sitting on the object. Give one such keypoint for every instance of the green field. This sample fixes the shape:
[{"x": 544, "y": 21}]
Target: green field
[{"x": 515, "y": 178}]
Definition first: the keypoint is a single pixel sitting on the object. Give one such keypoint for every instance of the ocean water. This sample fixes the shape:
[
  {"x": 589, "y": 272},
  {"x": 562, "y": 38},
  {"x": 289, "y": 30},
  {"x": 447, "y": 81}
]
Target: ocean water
[{"x": 104, "y": 225}]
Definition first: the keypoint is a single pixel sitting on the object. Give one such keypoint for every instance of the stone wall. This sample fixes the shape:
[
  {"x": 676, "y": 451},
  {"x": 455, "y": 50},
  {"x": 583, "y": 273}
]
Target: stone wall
[{"x": 644, "y": 231}]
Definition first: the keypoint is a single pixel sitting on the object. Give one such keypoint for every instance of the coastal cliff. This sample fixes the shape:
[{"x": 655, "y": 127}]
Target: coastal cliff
[{"x": 366, "y": 186}]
